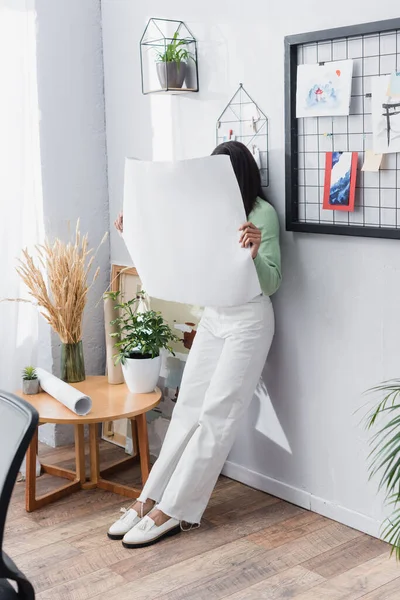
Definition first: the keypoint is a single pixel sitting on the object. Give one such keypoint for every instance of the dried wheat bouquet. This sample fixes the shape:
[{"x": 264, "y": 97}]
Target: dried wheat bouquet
[{"x": 62, "y": 293}]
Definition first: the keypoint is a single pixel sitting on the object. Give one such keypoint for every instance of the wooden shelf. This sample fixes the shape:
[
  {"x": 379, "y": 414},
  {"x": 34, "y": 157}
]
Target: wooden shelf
[{"x": 172, "y": 91}]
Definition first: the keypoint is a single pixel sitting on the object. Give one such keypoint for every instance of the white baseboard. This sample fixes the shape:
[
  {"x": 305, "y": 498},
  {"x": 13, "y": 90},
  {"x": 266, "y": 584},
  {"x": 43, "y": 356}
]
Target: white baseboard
[{"x": 302, "y": 498}]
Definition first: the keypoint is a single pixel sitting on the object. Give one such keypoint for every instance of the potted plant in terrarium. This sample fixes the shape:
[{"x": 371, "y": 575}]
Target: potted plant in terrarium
[
  {"x": 30, "y": 381},
  {"x": 172, "y": 63},
  {"x": 139, "y": 340}
]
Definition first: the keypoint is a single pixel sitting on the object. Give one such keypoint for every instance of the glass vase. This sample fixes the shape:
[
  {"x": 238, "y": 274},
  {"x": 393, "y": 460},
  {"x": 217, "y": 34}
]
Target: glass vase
[{"x": 72, "y": 363}]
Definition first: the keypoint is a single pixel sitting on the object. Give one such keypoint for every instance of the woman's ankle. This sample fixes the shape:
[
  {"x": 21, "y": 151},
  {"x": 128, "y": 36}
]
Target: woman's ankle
[
  {"x": 143, "y": 508},
  {"x": 159, "y": 517}
]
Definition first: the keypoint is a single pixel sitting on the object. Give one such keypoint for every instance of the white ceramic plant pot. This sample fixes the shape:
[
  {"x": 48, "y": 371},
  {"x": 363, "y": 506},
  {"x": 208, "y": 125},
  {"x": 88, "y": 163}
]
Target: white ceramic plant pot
[{"x": 141, "y": 374}]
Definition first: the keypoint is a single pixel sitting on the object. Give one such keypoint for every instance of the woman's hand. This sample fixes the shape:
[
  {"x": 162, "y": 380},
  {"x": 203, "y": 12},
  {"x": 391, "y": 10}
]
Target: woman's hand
[
  {"x": 251, "y": 237},
  {"x": 119, "y": 222}
]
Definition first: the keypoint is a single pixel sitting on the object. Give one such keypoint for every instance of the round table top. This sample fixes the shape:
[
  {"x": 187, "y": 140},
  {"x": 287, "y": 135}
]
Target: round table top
[{"x": 110, "y": 402}]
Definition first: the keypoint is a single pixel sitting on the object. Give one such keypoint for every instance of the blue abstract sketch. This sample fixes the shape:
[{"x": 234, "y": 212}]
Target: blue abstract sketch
[
  {"x": 322, "y": 95},
  {"x": 340, "y": 191},
  {"x": 335, "y": 158}
]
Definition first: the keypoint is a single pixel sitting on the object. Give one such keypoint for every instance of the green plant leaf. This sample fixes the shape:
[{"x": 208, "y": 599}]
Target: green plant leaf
[
  {"x": 29, "y": 373},
  {"x": 175, "y": 51},
  {"x": 112, "y": 295},
  {"x": 384, "y": 458},
  {"x": 144, "y": 333}
]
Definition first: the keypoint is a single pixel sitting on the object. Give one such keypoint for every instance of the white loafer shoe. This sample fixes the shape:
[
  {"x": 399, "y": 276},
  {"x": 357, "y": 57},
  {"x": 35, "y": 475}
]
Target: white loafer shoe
[
  {"x": 129, "y": 519},
  {"x": 147, "y": 532}
]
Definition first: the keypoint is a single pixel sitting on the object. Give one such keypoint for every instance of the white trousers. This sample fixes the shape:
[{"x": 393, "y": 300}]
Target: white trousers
[{"x": 222, "y": 371}]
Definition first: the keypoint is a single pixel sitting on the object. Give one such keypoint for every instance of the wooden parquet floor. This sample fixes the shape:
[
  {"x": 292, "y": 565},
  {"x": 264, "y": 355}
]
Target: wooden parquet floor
[{"x": 251, "y": 546}]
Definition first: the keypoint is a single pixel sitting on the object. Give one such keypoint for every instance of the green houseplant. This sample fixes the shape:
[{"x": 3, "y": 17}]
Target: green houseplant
[
  {"x": 140, "y": 337},
  {"x": 385, "y": 455},
  {"x": 172, "y": 63},
  {"x": 30, "y": 381}
]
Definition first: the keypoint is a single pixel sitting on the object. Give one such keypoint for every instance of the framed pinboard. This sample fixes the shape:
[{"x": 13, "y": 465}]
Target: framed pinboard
[{"x": 374, "y": 49}]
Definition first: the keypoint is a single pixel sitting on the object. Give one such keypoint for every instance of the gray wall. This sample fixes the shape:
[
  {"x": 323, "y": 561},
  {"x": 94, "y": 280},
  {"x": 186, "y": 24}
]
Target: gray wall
[
  {"x": 73, "y": 148},
  {"x": 337, "y": 312}
]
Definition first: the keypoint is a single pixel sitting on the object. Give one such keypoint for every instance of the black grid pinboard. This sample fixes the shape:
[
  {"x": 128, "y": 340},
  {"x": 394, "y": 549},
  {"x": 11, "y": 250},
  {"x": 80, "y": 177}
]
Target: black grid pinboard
[{"x": 375, "y": 50}]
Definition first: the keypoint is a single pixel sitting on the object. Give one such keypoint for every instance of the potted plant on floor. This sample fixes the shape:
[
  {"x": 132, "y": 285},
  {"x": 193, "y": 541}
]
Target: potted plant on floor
[
  {"x": 140, "y": 338},
  {"x": 172, "y": 63},
  {"x": 385, "y": 455},
  {"x": 30, "y": 381}
]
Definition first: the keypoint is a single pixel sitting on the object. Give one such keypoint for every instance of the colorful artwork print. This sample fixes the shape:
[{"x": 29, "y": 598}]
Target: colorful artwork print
[
  {"x": 386, "y": 113},
  {"x": 340, "y": 180},
  {"x": 324, "y": 90}
]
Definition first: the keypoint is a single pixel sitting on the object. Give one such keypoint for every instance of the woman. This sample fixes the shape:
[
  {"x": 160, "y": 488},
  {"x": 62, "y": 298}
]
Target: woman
[{"x": 222, "y": 371}]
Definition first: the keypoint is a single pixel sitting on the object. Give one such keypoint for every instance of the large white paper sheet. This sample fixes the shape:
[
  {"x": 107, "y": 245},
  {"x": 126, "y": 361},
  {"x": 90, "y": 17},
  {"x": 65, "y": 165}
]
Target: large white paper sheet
[
  {"x": 72, "y": 398},
  {"x": 181, "y": 222}
]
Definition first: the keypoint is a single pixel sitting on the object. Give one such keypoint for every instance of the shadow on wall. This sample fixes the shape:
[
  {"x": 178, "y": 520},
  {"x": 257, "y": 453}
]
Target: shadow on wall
[
  {"x": 267, "y": 442},
  {"x": 261, "y": 440}
]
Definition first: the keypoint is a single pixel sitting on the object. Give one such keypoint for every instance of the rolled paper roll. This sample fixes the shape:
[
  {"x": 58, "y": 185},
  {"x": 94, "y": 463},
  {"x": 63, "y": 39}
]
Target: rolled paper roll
[
  {"x": 72, "y": 398},
  {"x": 114, "y": 372}
]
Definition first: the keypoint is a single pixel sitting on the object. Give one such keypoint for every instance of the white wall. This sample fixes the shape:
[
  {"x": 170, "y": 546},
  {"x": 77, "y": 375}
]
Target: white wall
[
  {"x": 73, "y": 148},
  {"x": 337, "y": 311}
]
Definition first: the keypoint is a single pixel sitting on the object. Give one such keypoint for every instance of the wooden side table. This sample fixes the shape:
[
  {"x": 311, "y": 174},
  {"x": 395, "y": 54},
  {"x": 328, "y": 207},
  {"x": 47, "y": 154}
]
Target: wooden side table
[{"x": 110, "y": 402}]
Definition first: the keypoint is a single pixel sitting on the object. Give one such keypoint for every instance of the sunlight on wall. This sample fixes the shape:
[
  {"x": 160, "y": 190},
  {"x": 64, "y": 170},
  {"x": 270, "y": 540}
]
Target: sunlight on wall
[
  {"x": 21, "y": 204},
  {"x": 161, "y": 123}
]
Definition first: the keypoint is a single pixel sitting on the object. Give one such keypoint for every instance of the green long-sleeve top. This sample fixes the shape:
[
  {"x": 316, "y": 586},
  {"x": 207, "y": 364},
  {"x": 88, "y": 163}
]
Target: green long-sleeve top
[{"x": 268, "y": 259}]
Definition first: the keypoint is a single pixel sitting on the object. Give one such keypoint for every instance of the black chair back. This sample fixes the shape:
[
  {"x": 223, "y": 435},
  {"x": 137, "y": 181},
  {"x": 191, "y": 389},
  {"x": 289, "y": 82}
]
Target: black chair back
[{"x": 18, "y": 421}]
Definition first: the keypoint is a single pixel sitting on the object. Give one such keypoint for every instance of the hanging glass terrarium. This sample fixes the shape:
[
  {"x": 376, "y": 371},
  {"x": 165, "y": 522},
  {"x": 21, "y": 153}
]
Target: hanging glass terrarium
[
  {"x": 168, "y": 58},
  {"x": 242, "y": 120}
]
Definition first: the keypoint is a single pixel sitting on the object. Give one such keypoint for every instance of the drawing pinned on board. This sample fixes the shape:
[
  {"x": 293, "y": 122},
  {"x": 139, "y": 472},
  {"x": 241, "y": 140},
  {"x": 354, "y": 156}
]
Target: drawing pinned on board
[
  {"x": 372, "y": 161},
  {"x": 324, "y": 90},
  {"x": 394, "y": 84},
  {"x": 386, "y": 114},
  {"x": 340, "y": 181}
]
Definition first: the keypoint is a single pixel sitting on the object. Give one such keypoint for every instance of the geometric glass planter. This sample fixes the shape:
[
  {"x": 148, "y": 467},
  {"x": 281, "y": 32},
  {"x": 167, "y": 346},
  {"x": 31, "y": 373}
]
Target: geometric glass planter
[
  {"x": 168, "y": 58},
  {"x": 243, "y": 121}
]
